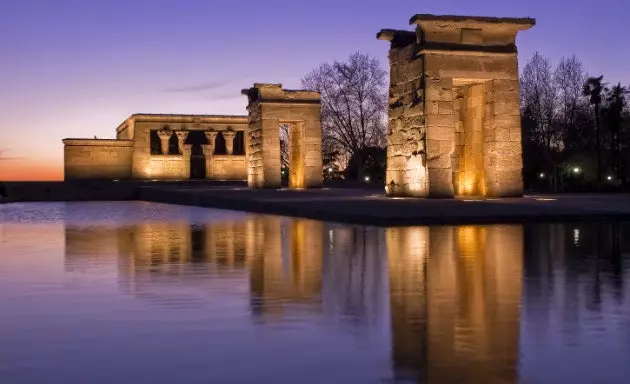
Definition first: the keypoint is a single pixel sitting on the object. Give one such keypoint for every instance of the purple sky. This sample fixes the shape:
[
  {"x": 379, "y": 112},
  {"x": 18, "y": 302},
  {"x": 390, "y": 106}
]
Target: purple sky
[{"x": 77, "y": 68}]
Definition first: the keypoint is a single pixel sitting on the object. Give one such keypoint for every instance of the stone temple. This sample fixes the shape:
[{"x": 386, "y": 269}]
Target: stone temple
[
  {"x": 454, "y": 123},
  {"x": 212, "y": 147},
  {"x": 454, "y": 119}
]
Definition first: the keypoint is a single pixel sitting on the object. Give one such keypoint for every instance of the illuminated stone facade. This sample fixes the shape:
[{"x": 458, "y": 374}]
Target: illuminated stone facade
[
  {"x": 269, "y": 107},
  {"x": 454, "y": 117},
  {"x": 163, "y": 147},
  {"x": 181, "y": 147}
]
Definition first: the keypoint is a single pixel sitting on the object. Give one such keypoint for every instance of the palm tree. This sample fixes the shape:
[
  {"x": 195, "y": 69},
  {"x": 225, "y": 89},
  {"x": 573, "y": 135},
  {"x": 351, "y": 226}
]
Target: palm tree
[
  {"x": 615, "y": 103},
  {"x": 593, "y": 89}
]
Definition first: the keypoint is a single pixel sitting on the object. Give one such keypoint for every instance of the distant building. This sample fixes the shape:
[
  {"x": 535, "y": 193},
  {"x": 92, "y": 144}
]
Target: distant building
[{"x": 163, "y": 147}]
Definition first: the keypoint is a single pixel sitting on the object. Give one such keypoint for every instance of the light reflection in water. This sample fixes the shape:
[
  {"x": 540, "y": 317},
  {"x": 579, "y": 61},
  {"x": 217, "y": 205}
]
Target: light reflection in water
[{"x": 337, "y": 303}]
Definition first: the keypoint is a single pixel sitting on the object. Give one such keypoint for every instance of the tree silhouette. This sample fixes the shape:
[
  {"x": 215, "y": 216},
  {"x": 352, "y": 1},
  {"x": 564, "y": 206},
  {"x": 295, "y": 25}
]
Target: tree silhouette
[
  {"x": 354, "y": 102},
  {"x": 593, "y": 89},
  {"x": 615, "y": 103}
]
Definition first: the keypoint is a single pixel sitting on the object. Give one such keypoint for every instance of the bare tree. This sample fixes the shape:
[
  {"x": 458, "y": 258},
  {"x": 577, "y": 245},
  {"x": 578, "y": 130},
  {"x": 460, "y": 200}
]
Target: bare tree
[
  {"x": 354, "y": 102},
  {"x": 538, "y": 101},
  {"x": 569, "y": 79}
]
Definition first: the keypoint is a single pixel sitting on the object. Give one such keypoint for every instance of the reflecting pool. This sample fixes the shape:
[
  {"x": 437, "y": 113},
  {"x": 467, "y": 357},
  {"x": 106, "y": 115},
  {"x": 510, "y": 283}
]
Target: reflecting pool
[{"x": 129, "y": 291}]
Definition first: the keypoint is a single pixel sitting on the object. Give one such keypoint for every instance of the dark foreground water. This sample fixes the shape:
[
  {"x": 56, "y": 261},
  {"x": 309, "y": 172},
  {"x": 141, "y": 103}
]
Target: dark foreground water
[{"x": 147, "y": 293}]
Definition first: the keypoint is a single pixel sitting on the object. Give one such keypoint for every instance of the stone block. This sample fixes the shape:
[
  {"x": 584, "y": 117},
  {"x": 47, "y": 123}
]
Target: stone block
[
  {"x": 440, "y": 132},
  {"x": 437, "y": 93},
  {"x": 472, "y": 36},
  {"x": 445, "y": 107},
  {"x": 432, "y": 107},
  {"x": 515, "y": 134},
  {"x": 439, "y": 162},
  {"x": 433, "y": 120},
  {"x": 401, "y": 53}
]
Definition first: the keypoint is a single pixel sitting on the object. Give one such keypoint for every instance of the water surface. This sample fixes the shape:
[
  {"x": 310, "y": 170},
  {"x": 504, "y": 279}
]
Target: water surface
[{"x": 127, "y": 292}]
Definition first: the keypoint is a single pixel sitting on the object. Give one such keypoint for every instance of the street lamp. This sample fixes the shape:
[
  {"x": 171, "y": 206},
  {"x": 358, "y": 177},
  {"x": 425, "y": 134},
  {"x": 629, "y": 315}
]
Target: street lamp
[
  {"x": 541, "y": 175},
  {"x": 576, "y": 170}
]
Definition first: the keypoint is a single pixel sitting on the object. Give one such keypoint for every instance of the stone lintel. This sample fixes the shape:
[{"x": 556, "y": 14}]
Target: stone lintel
[
  {"x": 273, "y": 93},
  {"x": 166, "y": 157},
  {"x": 397, "y": 37},
  {"x": 184, "y": 119},
  {"x": 98, "y": 142},
  {"x": 468, "y": 49},
  {"x": 477, "y": 33},
  {"x": 524, "y": 22}
]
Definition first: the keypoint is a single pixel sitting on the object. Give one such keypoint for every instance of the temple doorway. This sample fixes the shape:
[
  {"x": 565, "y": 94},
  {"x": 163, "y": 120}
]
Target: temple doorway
[
  {"x": 292, "y": 154},
  {"x": 197, "y": 160}
]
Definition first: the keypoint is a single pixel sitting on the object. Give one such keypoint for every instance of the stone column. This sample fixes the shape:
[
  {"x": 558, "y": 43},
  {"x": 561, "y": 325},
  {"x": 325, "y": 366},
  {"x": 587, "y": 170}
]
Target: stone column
[
  {"x": 186, "y": 150},
  {"x": 229, "y": 141},
  {"x": 165, "y": 136},
  {"x": 502, "y": 137},
  {"x": 208, "y": 149},
  {"x": 440, "y": 128},
  {"x": 312, "y": 149},
  {"x": 181, "y": 139}
]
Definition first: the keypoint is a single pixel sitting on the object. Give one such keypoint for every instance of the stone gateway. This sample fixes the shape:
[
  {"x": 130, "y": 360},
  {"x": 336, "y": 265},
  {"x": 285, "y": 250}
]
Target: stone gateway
[
  {"x": 454, "y": 119},
  {"x": 269, "y": 107}
]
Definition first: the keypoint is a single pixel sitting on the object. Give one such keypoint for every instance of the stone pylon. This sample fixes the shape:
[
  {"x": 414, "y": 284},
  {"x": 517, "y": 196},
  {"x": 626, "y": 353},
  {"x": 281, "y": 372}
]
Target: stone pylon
[{"x": 454, "y": 118}]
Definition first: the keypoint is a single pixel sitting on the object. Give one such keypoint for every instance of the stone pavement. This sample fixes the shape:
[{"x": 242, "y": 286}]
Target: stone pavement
[{"x": 371, "y": 207}]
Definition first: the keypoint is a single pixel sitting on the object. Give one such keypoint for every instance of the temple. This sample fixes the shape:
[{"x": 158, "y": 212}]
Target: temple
[
  {"x": 212, "y": 147},
  {"x": 454, "y": 119},
  {"x": 453, "y": 124},
  {"x": 163, "y": 147}
]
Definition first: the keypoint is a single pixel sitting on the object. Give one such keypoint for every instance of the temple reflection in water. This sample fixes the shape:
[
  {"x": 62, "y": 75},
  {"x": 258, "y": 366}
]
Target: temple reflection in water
[
  {"x": 449, "y": 297},
  {"x": 455, "y": 295}
]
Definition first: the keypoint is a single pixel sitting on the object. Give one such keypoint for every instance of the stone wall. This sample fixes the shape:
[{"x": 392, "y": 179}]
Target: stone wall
[
  {"x": 406, "y": 173},
  {"x": 226, "y": 167},
  {"x": 263, "y": 150},
  {"x": 97, "y": 159},
  {"x": 168, "y": 167},
  {"x": 151, "y": 166}
]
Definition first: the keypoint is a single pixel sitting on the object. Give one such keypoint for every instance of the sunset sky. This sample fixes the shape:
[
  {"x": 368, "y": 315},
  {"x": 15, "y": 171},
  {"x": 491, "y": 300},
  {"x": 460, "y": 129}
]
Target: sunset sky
[{"x": 77, "y": 68}]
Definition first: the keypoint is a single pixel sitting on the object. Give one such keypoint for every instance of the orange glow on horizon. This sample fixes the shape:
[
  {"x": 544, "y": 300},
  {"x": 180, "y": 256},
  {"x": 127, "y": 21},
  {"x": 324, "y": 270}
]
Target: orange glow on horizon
[{"x": 30, "y": 170}]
